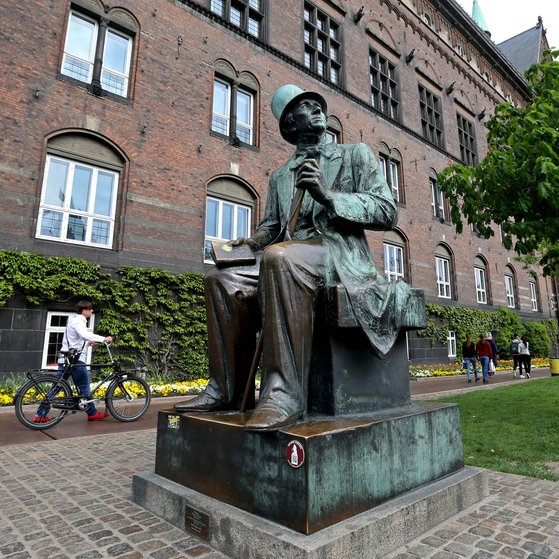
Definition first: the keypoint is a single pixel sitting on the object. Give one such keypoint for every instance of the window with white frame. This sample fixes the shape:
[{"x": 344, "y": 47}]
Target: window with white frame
[
  {"x": 390, "y": 169},
  {"x": 97, "y": 53},
  {"x": 438, "y": 202},
  {"x": 233, "y": 112},
  {"x": 509, "y": 289},
  {"x": 534, "y": 296},
  {"x": 442, "y": 266},
  {"x": 225, "y": 220},
  {"x": 77, "y": 203},
  {"x": 451, "y": 343},
  {"x": 481, "y": 285},
  {"x": 54, "y": 332},
  {"x": 393, "y": 262}
]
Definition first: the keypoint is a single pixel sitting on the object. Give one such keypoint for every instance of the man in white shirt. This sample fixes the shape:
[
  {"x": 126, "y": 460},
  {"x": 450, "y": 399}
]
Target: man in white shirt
[{"x": 77, "y": 336}]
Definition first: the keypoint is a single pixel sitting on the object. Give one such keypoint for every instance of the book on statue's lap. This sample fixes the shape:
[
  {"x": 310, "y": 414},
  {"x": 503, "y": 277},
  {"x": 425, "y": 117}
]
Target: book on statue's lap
[{"x": 225, "y": 254}]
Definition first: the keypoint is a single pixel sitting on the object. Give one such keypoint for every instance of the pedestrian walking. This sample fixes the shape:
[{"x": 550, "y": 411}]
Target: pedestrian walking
[
  {"x": 77, "y": 336},
  {"x": 495, "y": 349},
  {"x": 525, "y": 357},
  {"x": 515, "y": 354},
  {"x": 469, "y": 357},
  {"x": 484, "y": 353}
]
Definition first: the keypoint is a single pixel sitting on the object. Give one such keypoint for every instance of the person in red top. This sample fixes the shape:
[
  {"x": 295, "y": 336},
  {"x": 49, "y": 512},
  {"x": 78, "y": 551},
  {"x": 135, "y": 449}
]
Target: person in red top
[{"x": 484, "y": 353}]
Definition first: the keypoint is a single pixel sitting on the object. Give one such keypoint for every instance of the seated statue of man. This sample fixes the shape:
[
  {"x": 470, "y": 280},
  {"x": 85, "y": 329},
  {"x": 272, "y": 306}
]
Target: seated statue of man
[{"x": 312, "y": 237}]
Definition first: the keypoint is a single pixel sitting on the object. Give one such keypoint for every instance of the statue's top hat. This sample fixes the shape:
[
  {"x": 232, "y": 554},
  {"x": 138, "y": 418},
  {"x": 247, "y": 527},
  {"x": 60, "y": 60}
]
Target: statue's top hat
[{"x": 284, "y": 99}]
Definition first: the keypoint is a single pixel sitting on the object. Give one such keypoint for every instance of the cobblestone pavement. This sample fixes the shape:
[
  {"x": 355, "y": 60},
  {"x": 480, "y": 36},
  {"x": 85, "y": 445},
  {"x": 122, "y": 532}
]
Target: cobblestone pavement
[
  {"x": 519, "y": 520},
  {"x": 71, "y": 498}
]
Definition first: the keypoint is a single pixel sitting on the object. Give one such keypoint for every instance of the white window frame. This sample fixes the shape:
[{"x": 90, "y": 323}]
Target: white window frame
[
  {"x": 391, "y": 173},
  {"x": 534, "y": 295},
  {"x": 66, "y": 212},
  {"x": 112, "y": 86},
  {"x": 509, "y": 288},
  {"x": 112, "y": 80},
  {"x": 246, "y": 127},
  {"x": 451, "y": 343},
  {"x": 393, "y": 262},
  {"x": 236, "y": 227},
  {"x": 66, "y": 59},
  {"x": 54, "y": 334},
  {"x": 331, "y": 136},
  {"x": 437, "y": 200},
  {"x": 481, "y": 285},
  {"x": 444, "y": 287},
  {"x": 225, "y": 119}
]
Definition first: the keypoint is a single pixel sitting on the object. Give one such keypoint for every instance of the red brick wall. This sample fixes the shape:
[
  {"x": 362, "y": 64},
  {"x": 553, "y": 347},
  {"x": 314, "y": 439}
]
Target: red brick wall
[{"x": 162, "y": 198}]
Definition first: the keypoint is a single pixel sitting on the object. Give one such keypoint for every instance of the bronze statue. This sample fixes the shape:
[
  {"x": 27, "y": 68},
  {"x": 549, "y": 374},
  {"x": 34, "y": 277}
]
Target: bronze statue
[{"x": 312, "y": 237}]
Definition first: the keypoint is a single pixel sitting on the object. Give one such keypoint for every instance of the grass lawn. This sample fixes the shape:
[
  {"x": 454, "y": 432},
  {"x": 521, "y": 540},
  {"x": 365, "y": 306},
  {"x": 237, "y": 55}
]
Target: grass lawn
[{"x": 512, "y": 429}]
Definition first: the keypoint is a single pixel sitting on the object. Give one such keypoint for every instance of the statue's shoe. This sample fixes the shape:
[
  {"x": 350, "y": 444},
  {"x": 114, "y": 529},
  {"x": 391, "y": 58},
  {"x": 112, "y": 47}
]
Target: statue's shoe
[
  {"x": 203, "y": 402},
  {"x": 270, "y": 417}
]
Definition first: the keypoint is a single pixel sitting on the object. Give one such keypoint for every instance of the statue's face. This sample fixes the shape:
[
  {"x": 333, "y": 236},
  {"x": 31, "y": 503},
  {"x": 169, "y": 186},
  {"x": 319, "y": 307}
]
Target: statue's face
[{"x": 308, "y": 117}]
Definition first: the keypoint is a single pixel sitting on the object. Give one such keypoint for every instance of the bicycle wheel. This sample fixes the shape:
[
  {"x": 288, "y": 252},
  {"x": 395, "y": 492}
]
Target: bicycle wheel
[
  {"x": 37, "y": 392},
  {"x": 128, "y": 398}
]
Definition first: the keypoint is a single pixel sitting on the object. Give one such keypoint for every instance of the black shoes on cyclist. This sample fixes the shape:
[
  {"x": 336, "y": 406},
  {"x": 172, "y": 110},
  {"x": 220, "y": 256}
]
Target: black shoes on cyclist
[
  {"x": 98, "y": 415},
  {"x": 41, "y": 419}
]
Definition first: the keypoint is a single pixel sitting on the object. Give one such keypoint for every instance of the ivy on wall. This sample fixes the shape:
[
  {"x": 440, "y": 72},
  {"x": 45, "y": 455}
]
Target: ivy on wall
[
  {"x": 503, "y": 324},
  {"x": 158, "y": 319}
]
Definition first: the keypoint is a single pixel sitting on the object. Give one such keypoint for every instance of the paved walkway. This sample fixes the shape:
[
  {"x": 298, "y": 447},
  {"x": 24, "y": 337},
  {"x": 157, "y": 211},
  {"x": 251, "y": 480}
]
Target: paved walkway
[{"x": 71, "y": 498}]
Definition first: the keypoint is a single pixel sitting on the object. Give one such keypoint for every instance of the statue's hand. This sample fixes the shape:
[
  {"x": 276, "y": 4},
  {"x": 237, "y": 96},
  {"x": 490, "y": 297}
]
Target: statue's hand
[
  {"x": 242, "y": 241},
  {"x": 310, "y": 177}
]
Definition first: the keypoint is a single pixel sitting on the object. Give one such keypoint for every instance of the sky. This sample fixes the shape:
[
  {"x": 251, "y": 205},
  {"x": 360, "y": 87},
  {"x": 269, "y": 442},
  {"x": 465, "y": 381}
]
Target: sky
[{"x": 507, "y": 18}]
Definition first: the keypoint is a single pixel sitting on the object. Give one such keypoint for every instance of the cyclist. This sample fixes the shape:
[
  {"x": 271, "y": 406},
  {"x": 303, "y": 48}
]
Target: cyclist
[{"x": 77, "y": 336}]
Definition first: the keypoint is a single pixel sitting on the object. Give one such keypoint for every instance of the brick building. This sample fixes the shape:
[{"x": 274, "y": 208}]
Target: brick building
[{"x": 132, "y": 134}]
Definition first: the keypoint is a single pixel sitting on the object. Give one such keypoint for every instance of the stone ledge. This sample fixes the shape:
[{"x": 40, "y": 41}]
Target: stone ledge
[{"x": 374, "y": 533}]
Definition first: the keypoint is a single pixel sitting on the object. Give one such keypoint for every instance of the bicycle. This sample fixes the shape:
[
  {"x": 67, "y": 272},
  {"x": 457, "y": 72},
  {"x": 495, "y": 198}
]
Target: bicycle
[{"x": 127, "y": 395}]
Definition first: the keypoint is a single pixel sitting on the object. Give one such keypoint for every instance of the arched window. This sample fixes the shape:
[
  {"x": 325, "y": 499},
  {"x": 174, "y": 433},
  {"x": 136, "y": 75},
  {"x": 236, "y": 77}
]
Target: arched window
[
  {"x": 480, "y": 276},
  {"x": 395, "y": 256},
  {"x": 440, "y": 207},
  {"x": 98, "y": 48},
  {"x": 534, "y": 294},
  {"x": 390, "y": 162},
  {"x": 230, "y": 211},
  {"x": 334, "y": 130},
  {"x": 234, "y": 105},
  {"x": 444, "y": 271},
  {"x": 79, "y": 192},
  {"x": 511, "y": 287}
]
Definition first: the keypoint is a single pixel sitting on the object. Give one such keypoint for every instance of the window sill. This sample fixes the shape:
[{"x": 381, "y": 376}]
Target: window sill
[{"x": 87, "y": 88}]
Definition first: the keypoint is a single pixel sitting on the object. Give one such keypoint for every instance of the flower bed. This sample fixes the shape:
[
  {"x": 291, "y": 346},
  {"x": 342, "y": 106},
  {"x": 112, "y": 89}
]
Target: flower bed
[
  {"x": 197, "y": 386},
  {"x": 449, "y": 369}
]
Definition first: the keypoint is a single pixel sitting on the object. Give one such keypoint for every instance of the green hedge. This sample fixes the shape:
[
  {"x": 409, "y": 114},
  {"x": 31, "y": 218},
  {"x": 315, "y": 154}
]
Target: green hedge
[
  {"x": 158, "y": 319},
  {"x": 503, "y": 324}
]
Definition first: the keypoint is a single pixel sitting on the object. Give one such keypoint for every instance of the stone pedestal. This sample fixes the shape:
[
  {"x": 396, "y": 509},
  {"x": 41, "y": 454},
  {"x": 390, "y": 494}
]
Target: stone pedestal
[
  {"x": 370, "y": 535},
  {"x": 314, "y": 474}
]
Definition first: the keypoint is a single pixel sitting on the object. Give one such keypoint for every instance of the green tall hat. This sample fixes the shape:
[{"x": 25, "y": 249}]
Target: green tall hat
[{"x": 284, "y": 99}]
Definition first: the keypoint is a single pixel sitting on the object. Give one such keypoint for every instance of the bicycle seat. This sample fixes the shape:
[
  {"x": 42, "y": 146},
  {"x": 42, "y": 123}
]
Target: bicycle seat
[{"x": 70, "y": 353}]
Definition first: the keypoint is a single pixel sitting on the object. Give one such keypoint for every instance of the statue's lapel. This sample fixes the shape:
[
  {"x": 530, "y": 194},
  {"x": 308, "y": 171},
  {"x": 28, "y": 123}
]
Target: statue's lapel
[{"x": 332, "y": 164}]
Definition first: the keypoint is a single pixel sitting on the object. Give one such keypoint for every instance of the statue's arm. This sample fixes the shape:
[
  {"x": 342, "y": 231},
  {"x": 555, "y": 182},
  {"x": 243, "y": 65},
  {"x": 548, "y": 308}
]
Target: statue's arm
[
  {"x": 363, "y": 196},
  {"x": 269, "y": 228}
]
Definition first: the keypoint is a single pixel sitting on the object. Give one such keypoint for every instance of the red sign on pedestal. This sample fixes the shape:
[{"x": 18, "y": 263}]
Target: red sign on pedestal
[{"x": 295, "y": 454}]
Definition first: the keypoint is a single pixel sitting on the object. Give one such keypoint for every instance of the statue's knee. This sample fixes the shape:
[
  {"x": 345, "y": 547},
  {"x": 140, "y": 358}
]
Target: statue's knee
[{"x": 274, "y": 255}]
